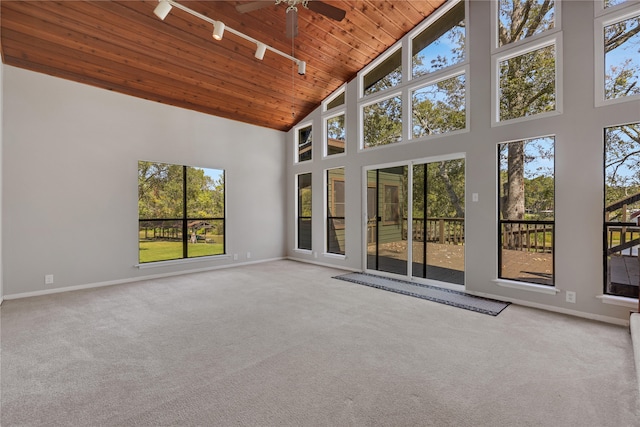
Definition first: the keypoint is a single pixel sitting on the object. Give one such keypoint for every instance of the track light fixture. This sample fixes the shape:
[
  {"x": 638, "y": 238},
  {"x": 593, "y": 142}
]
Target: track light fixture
[
  {"x": 218, "y": 30},
  {"x": 164, "y": 7},
  {"x": 260, "y": 50},
  {"x": 302, "y": 68}
]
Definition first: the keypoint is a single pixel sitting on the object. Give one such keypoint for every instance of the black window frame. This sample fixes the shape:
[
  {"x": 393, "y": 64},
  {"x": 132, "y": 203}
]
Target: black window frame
[
  {"x": 302, "y": 220},
  {"x": 185, "y": 219}
]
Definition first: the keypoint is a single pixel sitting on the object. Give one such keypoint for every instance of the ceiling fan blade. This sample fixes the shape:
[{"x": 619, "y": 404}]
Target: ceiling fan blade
[
  {"x": 326, "y": 10},
  {"x": 254, "y": 5},
  {"x": 292, "y": 23}
]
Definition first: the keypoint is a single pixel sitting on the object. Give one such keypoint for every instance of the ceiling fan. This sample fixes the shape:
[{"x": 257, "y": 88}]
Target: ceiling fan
[{"x": 318, "y": 6}]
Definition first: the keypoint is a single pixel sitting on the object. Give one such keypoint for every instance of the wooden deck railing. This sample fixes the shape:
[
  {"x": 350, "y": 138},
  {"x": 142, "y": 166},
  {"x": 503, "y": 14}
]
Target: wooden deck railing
[
  {"x": 527, "y": 235},
  {"x": 436, "y": 230},
  {"x": 622, "y": 238}
]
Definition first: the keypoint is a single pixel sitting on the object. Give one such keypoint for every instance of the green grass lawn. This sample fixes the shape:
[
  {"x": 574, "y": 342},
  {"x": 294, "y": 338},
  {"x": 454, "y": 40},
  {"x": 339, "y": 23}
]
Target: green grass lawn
[{"x": 162, "y": 250}]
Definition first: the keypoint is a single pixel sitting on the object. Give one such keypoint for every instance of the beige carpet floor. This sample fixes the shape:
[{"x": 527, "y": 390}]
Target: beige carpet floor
[{"x": 284, "y": 344}]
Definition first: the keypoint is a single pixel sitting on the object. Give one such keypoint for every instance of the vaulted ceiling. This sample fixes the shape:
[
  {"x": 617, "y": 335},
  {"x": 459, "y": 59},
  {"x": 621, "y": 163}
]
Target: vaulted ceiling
[{"x": 122, "y": 46}]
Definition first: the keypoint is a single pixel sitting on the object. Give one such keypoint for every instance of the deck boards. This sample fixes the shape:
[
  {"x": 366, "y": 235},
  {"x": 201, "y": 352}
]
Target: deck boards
[
  {"x": 624, "y": 270},
  {"x": 446, "y": 263}
]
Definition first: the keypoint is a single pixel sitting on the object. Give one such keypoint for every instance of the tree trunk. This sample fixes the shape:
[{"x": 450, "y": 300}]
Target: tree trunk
[
  {"x": 455, "y": 201},
  {"x": 513, "y": 207}
]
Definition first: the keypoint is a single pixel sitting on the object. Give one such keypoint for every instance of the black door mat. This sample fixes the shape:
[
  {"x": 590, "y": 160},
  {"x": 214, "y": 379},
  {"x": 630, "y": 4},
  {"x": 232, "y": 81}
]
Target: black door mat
[{"x": 431, "y": 293}]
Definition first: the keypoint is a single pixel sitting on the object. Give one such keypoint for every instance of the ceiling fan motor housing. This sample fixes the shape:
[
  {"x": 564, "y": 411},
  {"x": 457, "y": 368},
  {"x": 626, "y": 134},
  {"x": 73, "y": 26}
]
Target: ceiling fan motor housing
[{"x": 293, "y": 4}]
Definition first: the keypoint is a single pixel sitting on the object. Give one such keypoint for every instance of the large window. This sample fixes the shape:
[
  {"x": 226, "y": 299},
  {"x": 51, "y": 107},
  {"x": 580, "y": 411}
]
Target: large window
[
  {"x": 304, "y": 211},
  {"x": 335, "y": 211},
  {"x": 528, "y": 76},
  {"x": 181, "y": 212},
  {"x": 526, "y": 210},
  {"x": 622, "y": 209},
  {"x": 438, "y": 101},
  {"x": 428, "y": 96},
  {"x": 617, "y": 59}
]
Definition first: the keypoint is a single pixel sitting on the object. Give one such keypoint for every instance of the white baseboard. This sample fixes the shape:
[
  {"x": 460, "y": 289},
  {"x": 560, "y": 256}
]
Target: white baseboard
[
  {"x": 133, "y": 279},
  {"x": 634, "y": 329},
  {"x": 584, "y": 315},
  {"x": 323, "y": 264},
  {"x": 598, "y": 317}
]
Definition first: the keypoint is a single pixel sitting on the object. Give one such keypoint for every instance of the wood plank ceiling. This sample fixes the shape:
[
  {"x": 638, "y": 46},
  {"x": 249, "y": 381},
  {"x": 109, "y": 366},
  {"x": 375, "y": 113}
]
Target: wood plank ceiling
[{"x": 122, "y": 46}]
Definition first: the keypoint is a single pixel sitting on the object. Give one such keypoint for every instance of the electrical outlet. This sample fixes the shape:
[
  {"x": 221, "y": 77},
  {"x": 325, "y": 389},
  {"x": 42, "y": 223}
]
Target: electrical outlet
[
  {"x": 235, "y": 257},
  {"x": 48, "y": 279},
  {"x": 248, "y": 255},
  {"x": 571, "y": 297}
]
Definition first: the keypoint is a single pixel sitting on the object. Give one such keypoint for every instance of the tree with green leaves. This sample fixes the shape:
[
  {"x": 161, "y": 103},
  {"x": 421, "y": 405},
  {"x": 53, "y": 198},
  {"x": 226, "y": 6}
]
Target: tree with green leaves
[
  {"x": 529, "y": 83},
  {"x": 442, "y": 178},
  {"x": 439, "y": 108},
  {"x": 622, "y": 78},
  {"x": 622, "y": 162},
  {"x": 623, "y": 38},
  {"x": 161, "y": 192},
  {"x": 527, "y": 86},
  {"x": 383, "y": 122}
]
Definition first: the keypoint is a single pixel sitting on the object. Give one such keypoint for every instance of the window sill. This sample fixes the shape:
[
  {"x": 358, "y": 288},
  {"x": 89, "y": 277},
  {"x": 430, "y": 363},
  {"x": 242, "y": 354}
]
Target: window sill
[
  {"x": 180, "y": 261},
  {"x": 621, "y": 301},
  {"x": 335, "y": 155},
  {"x": 531, "y": 287},
  {"x": 304, "y": 251},
  {"x": 334, "y": 256}
]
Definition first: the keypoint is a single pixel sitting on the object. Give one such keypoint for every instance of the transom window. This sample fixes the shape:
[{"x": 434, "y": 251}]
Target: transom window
[
  {"x": 336, "y": 101},
  {"x": 622, "y": 58},
  {"x": 382, "y": 122},
  {"x": 439, "y": 107},
  {"x": 336, "y": 135},
  {"x": 427, "y": 98},
  {"x": 527, "y": 66},
  {"x": 441, "y": 44},
  {"x": 612, "y": 3},
  {"x": 387, "y": 74},
  {"x": 527, "y": 83},
  {"x": 617, "y": 61},
  {"x": 304, "y": 143},
  {"x": 521, "y": 19}
]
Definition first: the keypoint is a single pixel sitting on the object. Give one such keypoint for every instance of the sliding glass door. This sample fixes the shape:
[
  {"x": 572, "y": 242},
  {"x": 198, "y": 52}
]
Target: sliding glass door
[
  {"x": 424, "y": 225},
  {"x": 386, "y": 220}
]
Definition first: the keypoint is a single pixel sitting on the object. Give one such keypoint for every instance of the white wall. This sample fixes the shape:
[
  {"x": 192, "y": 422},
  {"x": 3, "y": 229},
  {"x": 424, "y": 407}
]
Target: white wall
[
  {"x": 578, "y": 161},
  {"x": 69, "y": 168},
  {"x": 1, "y": 133}
]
